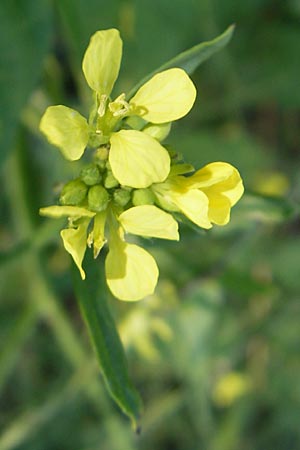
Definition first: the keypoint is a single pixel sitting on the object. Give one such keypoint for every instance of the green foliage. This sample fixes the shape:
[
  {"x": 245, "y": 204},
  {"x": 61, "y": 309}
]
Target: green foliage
[
  {"x": 215, "y": 352},
  {"x": 93, "y": 304},
  {"x": 192, "y": 58},
  {"x": 25, "y": 35}
]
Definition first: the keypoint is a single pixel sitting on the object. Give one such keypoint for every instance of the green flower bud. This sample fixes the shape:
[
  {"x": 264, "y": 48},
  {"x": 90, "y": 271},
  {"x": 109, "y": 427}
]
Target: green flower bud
[
  {"x": 98, "y": 198},
  {"x": 97, "y": 139},
  {"x": 136, "y": 122},
  {"x": 158, "y": 131},
  {"x": 143, "y": 197},
  {"x": 110, "y": 181},
  {"x": 101, "y": 166},
  {"x": 73, "y": 193},
  {"x": 101, "y": 153},
  {"x": 122, "y": 196},
  {"x": 91, "y": 175}
]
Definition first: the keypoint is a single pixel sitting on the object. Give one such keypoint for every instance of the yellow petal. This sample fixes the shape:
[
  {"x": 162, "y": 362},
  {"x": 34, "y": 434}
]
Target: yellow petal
[
  {"x": 167, "y": 96},
  {"x": 131, "y": 272},
  {"x": 56, "y": 212},
  {"x": 233, "y": 188},
  {"x": 102, "y": 59},
  {"x": 99, "y": 232},
  {"x": 211, "y": 174},
  {"x": 219, "y": 209},
  {"x": 148, "y": 220},
  {"x": 66, "y": 129},
  {"x": 137, "y": 160},
  {"x": 194, "y": 205},
  {"x": 74, "y": 240},
  {"x": 191, "y": 202},
  {"x": 219, "y": 178}
]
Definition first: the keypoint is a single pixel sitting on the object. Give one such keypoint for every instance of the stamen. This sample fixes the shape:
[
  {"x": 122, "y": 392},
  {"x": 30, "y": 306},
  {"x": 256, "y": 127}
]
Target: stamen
[
  {"x": 102, "y": 106},
  {"x": 119, "y": 107},
  {"x": 90, "y": 239}
]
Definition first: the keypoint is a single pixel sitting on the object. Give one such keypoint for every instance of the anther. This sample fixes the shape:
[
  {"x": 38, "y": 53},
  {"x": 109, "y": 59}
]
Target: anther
[{"x": 102, "y": 106}]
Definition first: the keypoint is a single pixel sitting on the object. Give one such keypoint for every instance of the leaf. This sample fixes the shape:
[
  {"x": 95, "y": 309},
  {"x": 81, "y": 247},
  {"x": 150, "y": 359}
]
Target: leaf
[
  {"x": 25, "y": 27},
  {"x": 80, "y": 19},
  {"x": 190, "y": 59},
  {"x": 264, "y": 209},
  {"x": 106, "y": 341}
]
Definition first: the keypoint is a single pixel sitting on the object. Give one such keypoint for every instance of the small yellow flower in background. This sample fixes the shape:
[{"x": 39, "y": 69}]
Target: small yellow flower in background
[
  {"x": 275, "y": 184},
  {"x": 230, "y": 387},
  {"x": 132, "y": 184}
]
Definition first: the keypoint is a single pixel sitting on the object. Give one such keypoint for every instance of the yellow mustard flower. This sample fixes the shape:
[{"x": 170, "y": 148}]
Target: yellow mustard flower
[
  {"x": 133, "y": 183},
  {"x": 124, "y": 261},
  {"x": 136, "y": 158},
  {"x": 231, "y": 387},
  {"x": 206, "y": 197}
]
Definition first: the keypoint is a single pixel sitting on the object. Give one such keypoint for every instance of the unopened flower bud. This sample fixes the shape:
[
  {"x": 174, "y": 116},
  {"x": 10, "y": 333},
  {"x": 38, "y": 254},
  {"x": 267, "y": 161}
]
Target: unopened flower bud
[
  {"x": 98, "y": 198},
  {"x": 91, "y": 175},
  {"x": 136, "y": 122},
  {"x": 158, "y": 131},
  {"x": 110, "y": 181},
  {"x": 122, "y": 196},
  {"x": 101, "y": 153},
  {"x": 73, "y": 193},
  {"x": 143, "y": 197}
]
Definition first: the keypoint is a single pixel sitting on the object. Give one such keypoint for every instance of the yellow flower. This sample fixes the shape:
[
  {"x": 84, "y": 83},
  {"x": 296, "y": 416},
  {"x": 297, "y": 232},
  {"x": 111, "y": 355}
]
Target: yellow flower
[
  {"x": 136, "y": 158},
  {"x": 206, "y": 197},
  {"x": 131, "y": 180},
  {"x": 230, "y": 387},
  {"x": 131, "y": 272}
]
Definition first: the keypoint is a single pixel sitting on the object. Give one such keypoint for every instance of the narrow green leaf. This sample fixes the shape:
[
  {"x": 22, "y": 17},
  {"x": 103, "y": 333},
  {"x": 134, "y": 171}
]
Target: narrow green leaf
[
  {"x": 106, "y": 341},
  {"x": 190, "y": 59}
]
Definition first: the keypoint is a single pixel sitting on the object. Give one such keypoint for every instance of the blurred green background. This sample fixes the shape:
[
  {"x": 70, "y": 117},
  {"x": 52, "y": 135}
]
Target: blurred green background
[{"x": 215, "y": 352}]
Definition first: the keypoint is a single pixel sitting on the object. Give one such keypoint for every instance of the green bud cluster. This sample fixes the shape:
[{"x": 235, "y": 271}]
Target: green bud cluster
[
  {"x": 97, "y": 186},
  {"x": 122, "y": 196},
  {"x": 110, "y": 181},
  {"x": 91, "y": 175},
  {"x": 73, "y": 193},
  {"x": 98, "y": 198}
]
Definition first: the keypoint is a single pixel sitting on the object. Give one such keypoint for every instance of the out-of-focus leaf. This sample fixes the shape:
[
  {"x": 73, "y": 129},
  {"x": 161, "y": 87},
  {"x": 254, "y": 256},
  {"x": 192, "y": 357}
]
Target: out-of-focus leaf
[
  {"x": 81, "y": 18},
  {"x": 24, "y": 37},
  {"x": 104, "y": 336},
  {"x": 260, "y": 208},
  {"x": 244, "y": 283},
  {"x": 190, "y": 59},
  {"x": 229, "y": 143},
  {"x": 22, "y": 328},
  {"x": 277, "y": 57}
]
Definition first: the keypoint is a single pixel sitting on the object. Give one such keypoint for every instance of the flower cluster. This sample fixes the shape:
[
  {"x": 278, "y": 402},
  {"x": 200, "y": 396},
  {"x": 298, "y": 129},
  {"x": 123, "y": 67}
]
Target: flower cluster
[{"x": 133, "y": 184}]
